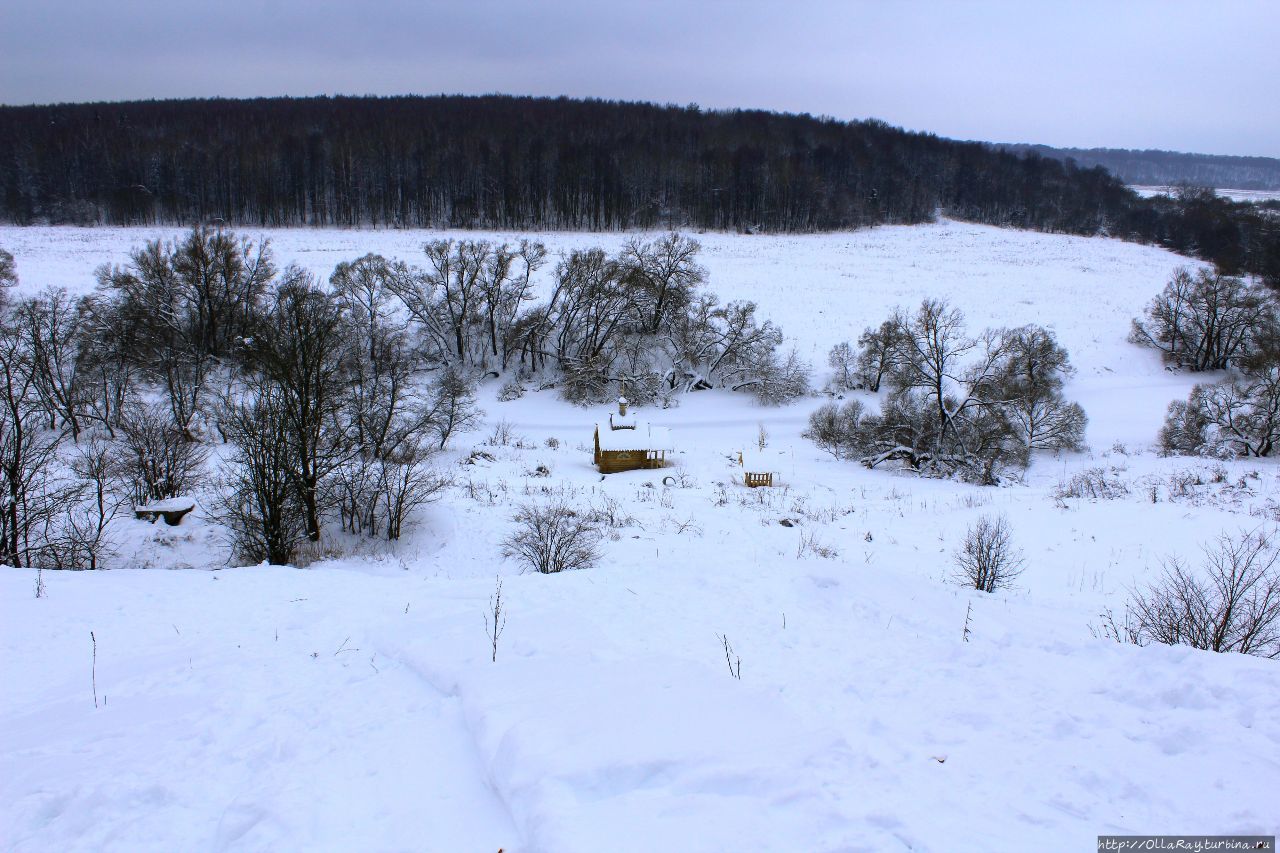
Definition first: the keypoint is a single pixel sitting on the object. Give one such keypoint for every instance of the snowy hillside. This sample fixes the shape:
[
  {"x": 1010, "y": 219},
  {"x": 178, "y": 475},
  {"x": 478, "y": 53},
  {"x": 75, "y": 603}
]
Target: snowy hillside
[{"x": 747, "y": 669}]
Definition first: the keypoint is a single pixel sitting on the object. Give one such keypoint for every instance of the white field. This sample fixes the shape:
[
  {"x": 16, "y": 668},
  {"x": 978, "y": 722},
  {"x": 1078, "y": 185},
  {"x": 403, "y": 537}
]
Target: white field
[
  {"x": 1234, "y": 195},
  {"x": 353, "y": 705}
]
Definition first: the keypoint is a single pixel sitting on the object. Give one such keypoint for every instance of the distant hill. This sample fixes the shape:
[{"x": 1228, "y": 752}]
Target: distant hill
[
  {"x": 556, "y": 164},
  {"x": 1168, "y": 168}
]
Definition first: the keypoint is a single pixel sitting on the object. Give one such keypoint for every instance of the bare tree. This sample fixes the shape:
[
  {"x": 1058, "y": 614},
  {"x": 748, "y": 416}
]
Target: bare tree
[
  {"x": 780, "y": 378},
  {"x": 224, "y": 276},
  {"x": 987, "y": 559},
  {"x": 105, "y": 362},
  {"x": 52, "y": 324},
  {"x": 300, "y": 346},
  {"x": 407, "y": 481},
  {"x": 724, "y": 346},
  {"x": 1207, "y": 321},
  {"x": 954, "y": 371},
  {"x": 843, "y": 359},
  {"x": 506, "y": 286},
  {"x": 553, "y": 538},
  {"x": 355, "y": 491},
  {"x": 944, "y": 414},
  {"x": 1231, "y": 604},
  {"x": 384, "y": 401},
  {"x": 33, "y": 494},
  {"x": 975, "y": 407},
  {"x": 152, "y": 456},
  {"x": 1185, "y": 431},
  {"x": 588, "y": 311},
  {"x": 1030, "y": 384},
  {"x": 259, "y": 501},
  {"x": 880, "y": 353},
  {"x": 452, "y": 407},
  {"x": 636, "y": 318},
  {"x": 664, "y": 274},
  {"x": 182, "y": 307},
  {"x": 839, "y": 429},
  {"x": 446, "y": 297},
  {"x": 1240, "y": 417},
  {"x": 82, "y": 540},
  {"x": 496, "y": 613}
]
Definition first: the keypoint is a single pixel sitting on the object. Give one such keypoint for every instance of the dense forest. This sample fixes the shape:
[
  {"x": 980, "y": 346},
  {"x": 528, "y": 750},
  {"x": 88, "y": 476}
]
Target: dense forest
[
  {"x": 1169, "y": 168},
  {"x": 502, "y": 162}
]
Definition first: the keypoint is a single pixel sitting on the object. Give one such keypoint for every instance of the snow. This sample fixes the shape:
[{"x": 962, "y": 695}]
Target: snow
[
  {"x": 353, "y": 704},
  {"x": 821, "y": 289},
  {"x": 1234, "y": 195},
  {"x": 636, "y": 435},
  {"x": 762, "y": 461},
  {"x": 168, "y": 505}
]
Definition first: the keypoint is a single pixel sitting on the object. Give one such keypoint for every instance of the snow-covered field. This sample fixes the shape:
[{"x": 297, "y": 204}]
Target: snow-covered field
[
  {"x": 353, "y": 705},
  {"x": 1234, "y": 195}
]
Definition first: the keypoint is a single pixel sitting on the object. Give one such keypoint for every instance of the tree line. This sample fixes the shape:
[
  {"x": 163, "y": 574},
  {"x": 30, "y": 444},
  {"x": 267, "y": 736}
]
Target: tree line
[
  {"x": 512, "y": 163},
  {"x": 1169, "y": 168},
  {"x": 501, "y": 162}
]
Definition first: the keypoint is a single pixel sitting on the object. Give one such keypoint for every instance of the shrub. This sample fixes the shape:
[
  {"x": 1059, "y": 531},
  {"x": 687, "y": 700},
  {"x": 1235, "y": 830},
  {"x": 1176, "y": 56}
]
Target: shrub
[
  {"x": 156, "y": 459},
  {"x": 1232, "y": 604},
  {"x": 503, "y": 435},
  {"x": 406, "y": 481},
  {"x": 987, "y": 559},
  {"x": 1096, "y": 484},
  {"x": 837, "y": 428},
  {"x": 510, "y": 390},
  {"x": 780, "y": 379},
  {"x": 1185, "y": 430},
  {"x": 553, "y": 538}
]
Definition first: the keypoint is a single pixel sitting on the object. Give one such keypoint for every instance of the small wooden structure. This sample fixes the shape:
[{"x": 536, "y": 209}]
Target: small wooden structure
[
  {"x": 623, "y": 443},
  {"x": 755, "y": 470},
  {"x": 172, "y": 510}
]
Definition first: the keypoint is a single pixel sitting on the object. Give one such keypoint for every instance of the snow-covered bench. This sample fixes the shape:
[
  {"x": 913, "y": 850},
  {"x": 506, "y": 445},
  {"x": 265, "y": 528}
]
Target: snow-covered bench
[{"x": 172, "y": 510}]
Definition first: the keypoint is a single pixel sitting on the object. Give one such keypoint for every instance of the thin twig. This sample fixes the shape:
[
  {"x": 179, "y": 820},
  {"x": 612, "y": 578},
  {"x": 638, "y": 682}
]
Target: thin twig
[
  {"x": 735, "y": 662},
  {"x": 95, "y": 668},
  {"x": 494, "y": 631}
]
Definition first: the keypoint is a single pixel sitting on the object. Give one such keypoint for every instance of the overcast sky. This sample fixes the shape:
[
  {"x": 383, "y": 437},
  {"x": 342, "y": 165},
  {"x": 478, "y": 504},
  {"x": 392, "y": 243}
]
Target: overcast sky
[{"x": 1187, "y": 76}]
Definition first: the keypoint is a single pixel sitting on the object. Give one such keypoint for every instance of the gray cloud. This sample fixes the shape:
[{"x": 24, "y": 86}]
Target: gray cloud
[{"x": 1142, "y": 74}]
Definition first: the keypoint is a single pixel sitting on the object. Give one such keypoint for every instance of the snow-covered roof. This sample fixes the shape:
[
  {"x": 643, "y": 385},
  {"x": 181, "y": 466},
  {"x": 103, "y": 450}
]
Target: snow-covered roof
[
  {"x": 168, "y": 505},
  {"x": 623, "y": 421},
  {"x": 643, "y": 437}
]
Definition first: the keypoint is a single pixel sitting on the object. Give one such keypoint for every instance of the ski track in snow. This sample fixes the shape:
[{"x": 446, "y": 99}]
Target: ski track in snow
[{"x": 353, "y": 705}]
